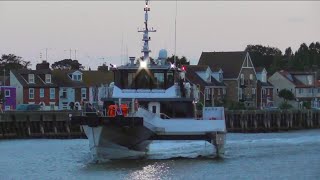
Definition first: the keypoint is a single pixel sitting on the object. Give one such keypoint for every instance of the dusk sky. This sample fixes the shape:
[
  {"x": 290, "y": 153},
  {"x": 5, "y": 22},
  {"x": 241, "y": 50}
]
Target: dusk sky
[{"x": 99, "y": 30}]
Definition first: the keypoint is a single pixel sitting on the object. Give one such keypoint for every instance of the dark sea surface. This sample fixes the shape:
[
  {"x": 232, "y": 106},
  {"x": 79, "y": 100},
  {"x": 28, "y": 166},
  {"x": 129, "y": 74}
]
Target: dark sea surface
[{"x": 287, "y": 155}]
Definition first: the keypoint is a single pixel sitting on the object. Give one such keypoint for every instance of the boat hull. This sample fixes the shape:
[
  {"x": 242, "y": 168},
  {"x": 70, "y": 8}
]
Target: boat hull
[{"x": 117, "y": 142}]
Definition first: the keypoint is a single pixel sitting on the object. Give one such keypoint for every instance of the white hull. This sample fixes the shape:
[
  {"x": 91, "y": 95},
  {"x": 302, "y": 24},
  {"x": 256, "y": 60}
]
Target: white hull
[{"x": 111, "y": 142}]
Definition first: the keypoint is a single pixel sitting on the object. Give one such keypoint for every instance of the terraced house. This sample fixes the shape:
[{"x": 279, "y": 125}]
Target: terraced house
[
  {"x": 239, "y": 75},
  {"x": 36, "y": 86},
  {"x": 210, "y": 82}
]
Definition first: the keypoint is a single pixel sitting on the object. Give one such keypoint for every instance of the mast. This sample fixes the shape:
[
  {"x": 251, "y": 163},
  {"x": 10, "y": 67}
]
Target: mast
[{"x": 145, "y": 38}]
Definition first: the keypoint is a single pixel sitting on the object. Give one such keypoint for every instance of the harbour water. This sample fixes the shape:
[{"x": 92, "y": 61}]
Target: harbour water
[{"x": 289, "y": 155}]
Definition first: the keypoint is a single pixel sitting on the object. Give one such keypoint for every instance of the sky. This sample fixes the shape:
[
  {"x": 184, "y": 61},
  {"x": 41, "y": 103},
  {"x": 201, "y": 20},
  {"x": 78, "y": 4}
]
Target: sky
[{"x": 106, "y": 31}]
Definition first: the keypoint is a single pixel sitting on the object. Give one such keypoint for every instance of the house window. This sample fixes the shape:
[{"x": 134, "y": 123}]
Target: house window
[
  {"x": 83, "y": 93},
  {"x": 52, "y": 93},
  {"x": 223, "y": 91},
  {"x": 277, "y": 91},
  {"x": 242, "y": 79},
  {"x": 79, "y": 77},
  {"x": 64, "y": 93},
  {"x": 264, "y": 91},
  {"x": 268, "y": 91},
  {"x": 7, "y": 108},
  {"x": 253, "y": 90},
  {"x": 7, "y": 93},
  {"x": 41, "y": 92},
  {"x": 31, "y": 78},
  {"x": 207, "y": 93},
  {"x": 310, "y": 90},
  {"x": 240, "y": 94},
  {"x": 300, "y": 90},
  {"x": 318, "y": 90},
  {"x": 220, "y": 77},
  {"x": 48, "y": 78},
  {"x": 251, "y": 77},
  {"x": 219, "y": 91},
  {"x": 31, "y": 93}
]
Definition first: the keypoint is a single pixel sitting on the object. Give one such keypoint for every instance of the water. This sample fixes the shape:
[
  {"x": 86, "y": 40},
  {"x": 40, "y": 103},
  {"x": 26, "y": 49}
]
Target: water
[{"x": 292, "y": 155}]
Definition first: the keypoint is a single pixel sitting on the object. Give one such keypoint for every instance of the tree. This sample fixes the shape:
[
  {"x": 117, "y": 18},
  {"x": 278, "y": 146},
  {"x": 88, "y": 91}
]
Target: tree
[
  {"x": 103, "y": 67},
  {"x": 13, "y": 62},
  {"x": 179, "y": 61},
  {"x": 268, "y": 57},
  {"x": 286, "y": 95},
  {"x": 67, "y": 64}
]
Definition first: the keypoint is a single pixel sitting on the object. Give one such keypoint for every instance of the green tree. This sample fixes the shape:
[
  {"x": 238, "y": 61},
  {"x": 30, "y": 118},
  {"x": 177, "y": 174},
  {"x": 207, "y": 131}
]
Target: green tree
[
  {"x": 13, "y": 62},
  {"x": 67, "y": 64},
  {"x": 286, "y": 95},
  {"x": 103, "y": 67},
  {"x": 269, "y": 57}
]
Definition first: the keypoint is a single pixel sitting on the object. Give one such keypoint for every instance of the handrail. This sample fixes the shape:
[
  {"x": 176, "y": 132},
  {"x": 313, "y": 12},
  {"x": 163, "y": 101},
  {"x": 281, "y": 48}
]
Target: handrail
[{"x": 167, "y": 117}]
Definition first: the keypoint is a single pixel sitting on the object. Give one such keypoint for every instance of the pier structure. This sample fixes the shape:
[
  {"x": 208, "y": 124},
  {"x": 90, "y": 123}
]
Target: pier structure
[{"x": 56, "y": 124}]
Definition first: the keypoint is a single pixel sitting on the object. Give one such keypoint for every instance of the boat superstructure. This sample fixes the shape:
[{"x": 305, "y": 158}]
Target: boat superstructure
[{"x": 150, "y": 100}]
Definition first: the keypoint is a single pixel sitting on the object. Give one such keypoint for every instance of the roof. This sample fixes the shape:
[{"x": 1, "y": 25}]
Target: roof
[
  {"x": 194, "y": 78},
  {"x": 63, "y": 80},
  {"x": 39, "y": 77},
  {"x": 265, "y": 84},
  {"x": 96, "y": 78},
  {"x": 229, "y": 62},
  {"x": 290, "y": 76}
]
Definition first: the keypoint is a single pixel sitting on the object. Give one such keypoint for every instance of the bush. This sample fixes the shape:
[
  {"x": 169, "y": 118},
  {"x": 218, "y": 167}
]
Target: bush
[
  {"x": 236, "y": 106},
  {"x": 307, "y": 105},
  {"x": 285, "y": 105}
]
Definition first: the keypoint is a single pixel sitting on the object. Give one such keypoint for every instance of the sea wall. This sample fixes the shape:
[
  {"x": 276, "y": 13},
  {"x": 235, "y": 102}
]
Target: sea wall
[
  {"x": 271, "y": 121},
  {"x": 40, "y": 124},
  {"x": 56, "y": 124}
]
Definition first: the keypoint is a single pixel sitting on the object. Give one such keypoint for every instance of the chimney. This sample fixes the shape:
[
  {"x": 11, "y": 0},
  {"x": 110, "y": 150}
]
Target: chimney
[
  {"x": 43, "y": 65},
  {"x": 132, "y": 60}
]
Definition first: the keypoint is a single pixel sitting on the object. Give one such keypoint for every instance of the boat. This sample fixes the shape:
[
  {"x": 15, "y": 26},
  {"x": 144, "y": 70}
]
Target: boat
[{"x": 150, "y": 100}]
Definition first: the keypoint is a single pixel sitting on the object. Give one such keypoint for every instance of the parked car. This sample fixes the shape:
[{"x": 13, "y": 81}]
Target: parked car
[{"x": 28, "y": 107}]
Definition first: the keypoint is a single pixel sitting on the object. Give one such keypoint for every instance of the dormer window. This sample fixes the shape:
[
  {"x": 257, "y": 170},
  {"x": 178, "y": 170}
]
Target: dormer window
[
  {"x": 31, "y": 78},
  {"x": 48, "y": 78},
  {"x": 77, "y": 77}
]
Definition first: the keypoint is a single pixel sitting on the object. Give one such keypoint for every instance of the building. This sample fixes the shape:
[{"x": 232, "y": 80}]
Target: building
[
  {"x": 303, "y": 85},
  {"x": 210, "y": 82},
  {"x": 35, "y": 86},
  {"x": 97, "y": 83},
  {"x": 264, "y": 89},
  {"x": 239, "y": 74},
  {"x": 8, "y": 97}
]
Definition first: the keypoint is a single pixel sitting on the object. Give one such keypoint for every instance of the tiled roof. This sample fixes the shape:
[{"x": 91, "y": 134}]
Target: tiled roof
[
  {"x": 194, "y": 78},
  {"x": 229, "y": 62},
  {"x": 290, "y": 76},
  {"x": 39, "y": 77},
  {"x": 96, "y": 78},
  {"x": 63, "y": 80}
]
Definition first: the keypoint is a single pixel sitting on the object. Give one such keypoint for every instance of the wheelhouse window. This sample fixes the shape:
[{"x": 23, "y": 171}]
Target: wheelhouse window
[{"x": 158, "y": 81}]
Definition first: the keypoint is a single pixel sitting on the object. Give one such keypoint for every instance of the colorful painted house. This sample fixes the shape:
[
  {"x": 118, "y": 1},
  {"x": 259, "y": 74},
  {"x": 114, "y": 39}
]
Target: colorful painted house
[
  {"x": 36, "y": 86},
  {"x": 8, "y": 97}
]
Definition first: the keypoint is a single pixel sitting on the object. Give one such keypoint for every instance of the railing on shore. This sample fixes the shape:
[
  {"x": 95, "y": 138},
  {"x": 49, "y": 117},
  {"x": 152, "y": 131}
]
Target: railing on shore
[{"x": 56, "y": 124}]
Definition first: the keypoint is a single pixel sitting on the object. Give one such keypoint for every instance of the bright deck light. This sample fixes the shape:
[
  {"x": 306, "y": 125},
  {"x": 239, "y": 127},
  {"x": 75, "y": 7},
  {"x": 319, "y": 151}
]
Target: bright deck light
[{"x": 143, "y": 64}]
